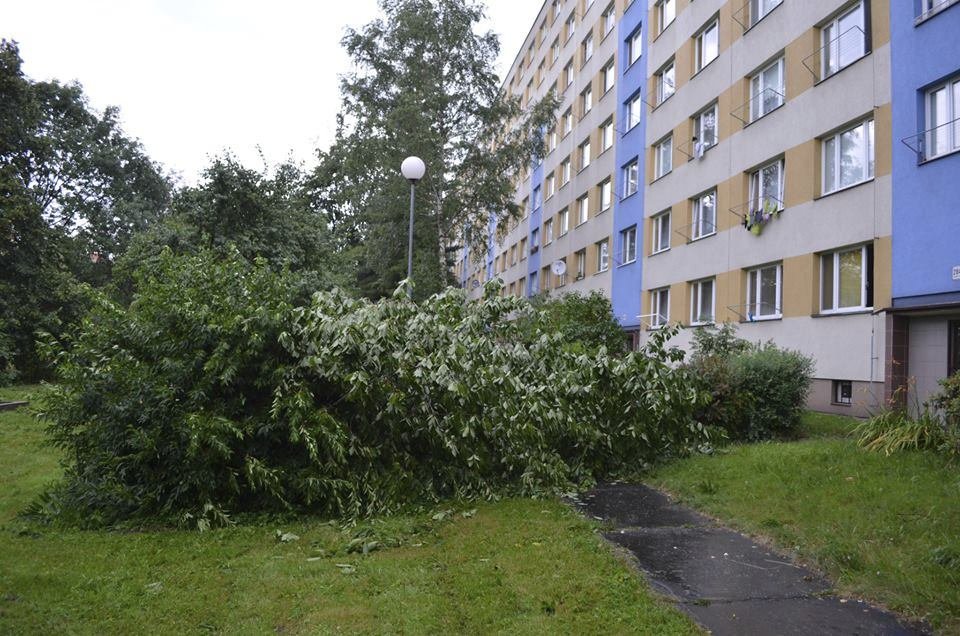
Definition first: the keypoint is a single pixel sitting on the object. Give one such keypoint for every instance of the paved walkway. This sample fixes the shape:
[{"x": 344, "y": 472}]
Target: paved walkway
[{"x": 726, "y": 582}]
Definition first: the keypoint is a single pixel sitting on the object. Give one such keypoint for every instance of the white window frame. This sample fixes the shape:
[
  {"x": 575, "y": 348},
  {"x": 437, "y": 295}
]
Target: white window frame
[
  {"x": 586, "y": 101},
  {"x": 568, "y": 74},
  {"x": 631, "y": 178},
  {"x": 551, "y": 185},
  {"x": 838, "y": 398},
  {"x": 659, "y": 315},
  {"x": 635, "y": 46},
  {"x": 608, "y": 19},
  {"x": 603, "y": 255},
  {"x": 609, "y": 74},
  {"x": 634, "y": 111},
  {"x": 758, "y": 194},
  {"x": 666, "y": 17},
  {"x": 663, "y": 157},
  {"x": 755, "y": 305},
  {"x": 584, "y": 151},
  {"x": 606, "y": 194},
  {"x": 586, "y": 49},
  {"x": 699, "y": 127},
  {"x": 581, "y": 264},
  {"x": 565, "y": 172},
  {"x": 697, "y": 230},
  {"x": 950, "y": 121},
  {"x": 570, "y": 25},
  {"x": 865, "y": 277},
  {"x": 696, "y": 302},
  {"x": 567, "y": 122},
  {"x": 537, "y": 198},
  {"x": 628, "y": 242},
  {"x": 564, "y": 221},
  {"x": 606, "y": 135},
  {"x": 662, "y": 93},
  {"x": 758, "y": 106},
  {"x": 868, "y": 157},
  {"x": 583, "y": 209},
  {"x": 759, "y": 9},
  {"x": 832, "y": 40},
  {"x": 660, "y": 234},
  {"x": 548, "y": 232},
  {"x": 700, "y": 50},
  {"x": 555, "y": 51}
]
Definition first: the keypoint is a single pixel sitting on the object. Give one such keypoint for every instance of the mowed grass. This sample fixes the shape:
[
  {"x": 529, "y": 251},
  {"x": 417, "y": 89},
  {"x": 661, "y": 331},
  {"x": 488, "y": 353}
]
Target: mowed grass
[
  {"x": 516, "y": 566},
  {"x": 885, "y": 528}
]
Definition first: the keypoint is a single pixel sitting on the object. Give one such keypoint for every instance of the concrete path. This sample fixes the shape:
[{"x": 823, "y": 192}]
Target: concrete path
[{"x": 726, "y": 582}]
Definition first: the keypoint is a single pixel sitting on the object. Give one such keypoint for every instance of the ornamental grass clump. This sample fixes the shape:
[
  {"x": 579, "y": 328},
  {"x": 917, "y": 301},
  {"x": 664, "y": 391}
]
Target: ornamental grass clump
[{"x": 216, "y": 392}]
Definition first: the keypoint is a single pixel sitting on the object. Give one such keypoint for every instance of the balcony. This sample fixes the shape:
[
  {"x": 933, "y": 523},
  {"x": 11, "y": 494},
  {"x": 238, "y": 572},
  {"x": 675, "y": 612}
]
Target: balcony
[{"x": 935, "y": 142}]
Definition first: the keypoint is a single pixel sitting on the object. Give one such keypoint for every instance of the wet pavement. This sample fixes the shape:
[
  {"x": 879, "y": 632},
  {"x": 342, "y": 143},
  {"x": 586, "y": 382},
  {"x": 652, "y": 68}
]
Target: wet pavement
[{"x": 724, "y": 580}]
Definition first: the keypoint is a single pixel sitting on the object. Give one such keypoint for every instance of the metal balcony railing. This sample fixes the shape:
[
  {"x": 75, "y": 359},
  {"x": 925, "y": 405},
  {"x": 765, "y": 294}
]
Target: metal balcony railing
[
  {"x": 757, "y": 211},
  {"x": 759, "y": 105},
  {"x": 694, "y": 148},
  {"x": 837, "y": 54},
  {"x": 753, "y": 11},
  {"x": 747, "y": 311},
  {"x": 695, "y": 231},
  {"x": 936, "y": 141}
]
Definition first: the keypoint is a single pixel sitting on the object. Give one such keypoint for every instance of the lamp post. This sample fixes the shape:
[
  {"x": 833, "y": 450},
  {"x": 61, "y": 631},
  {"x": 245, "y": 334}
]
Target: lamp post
[{"x": 412, "y": 169}]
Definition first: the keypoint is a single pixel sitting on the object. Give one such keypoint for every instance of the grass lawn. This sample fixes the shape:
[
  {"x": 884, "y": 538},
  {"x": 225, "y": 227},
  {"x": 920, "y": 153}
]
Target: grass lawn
[
  {"x": 885, "y": 528},
  {"x": 517, "y": 566}
]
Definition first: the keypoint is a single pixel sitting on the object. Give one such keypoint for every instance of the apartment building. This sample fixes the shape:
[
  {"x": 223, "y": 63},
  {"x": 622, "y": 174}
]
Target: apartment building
[
  {"x": 756, "y": 176},
  {"x": 923, "y": 328}
]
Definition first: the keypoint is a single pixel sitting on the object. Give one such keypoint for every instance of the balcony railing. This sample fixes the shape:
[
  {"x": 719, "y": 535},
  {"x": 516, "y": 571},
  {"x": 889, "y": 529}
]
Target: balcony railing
[
  {"x": 756, "y": 212},
  {"x": 759, "y": 105},
  {"x": 707, "y": 228},
  {"x": 746, "y": 311},
  {"x": 746, "y": 17},
  {"x": 837, "y": 54},
  {"x": 936, "y": 141}
]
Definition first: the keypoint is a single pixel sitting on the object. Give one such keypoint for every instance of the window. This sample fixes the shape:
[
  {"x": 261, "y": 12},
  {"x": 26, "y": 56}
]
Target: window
[
  {"x": 659, "y": 307},
  {"x": 763, "y": 292},
  {"x": 564, "y": 221},
  {"x": 635, "y": 46},
  {"x": 760, "y": 8},
  {"x": 631, "y": 178},
  {"x": 555, "y": 51},
  {"x": 707, "y": 45},
  {"x": 584, "y": 154},
  {"x": 846, "y": 280},
  {"x": 628, "y": 245},
  {"x": 548, "y": 232},
  {"x": 609, "y": 19},
  {"x": 943, "y": 119},
  {"x": 545, "y": 277},
  {"x": 634, "y": 108},
  {"x": 567, "y": 122},
  {"x": 606, "y": 135},
  {"x": 606, "y": 194},
  {"x": 525, "y": 206},
  {"x": 586, "y": 100},
  {"x": 537, "y": 197},
  {"x": 562, "y": 278},
  {"x": 540, "y": 73},
  {"x": 848, "y": 157},
  {"x": 583, "y": 209},
  {"x": 666, "y": 12},
  {"x": 663, "y": 157},
  {"x": 843, "y": 41},
  {"x": 661, "y": 232},
  {"x": 666, "y": 82},
  {"x": 586, "y": 49},
  {"x": 701, "y": 305},
  {"x": 568, "y": 74},
  {"x": 534, "y": 289},
  {"x": 565, "y": 172},
  {"x": 534, "y": 240},
  {"x": 513, "y": 255},
  {"x": 609, "y": 73},
  {"x": 552, "y": 139},
  {"x": 842, "y": 392},
  {"x": 766, "y": 90},
  {"x": 551, "y": 184},
  {"x": 570, "y": 25},
  {"x": 523, "y": 248},
  {"x": 766, "y": 188},
  {"x": 705, "y": 129},
  {"x": 704, "y": 215},
  {"x": 581, "y": 260},
  {"x": 603, "y": 255}
]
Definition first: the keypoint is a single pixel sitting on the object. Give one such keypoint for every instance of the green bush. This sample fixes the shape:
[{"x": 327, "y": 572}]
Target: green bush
[
  {"x": 759, "y": 391},
  {"x": 584, "y": 320},
  {"x": 214, "y": 394},
  {"x": 8, "y": 373}
]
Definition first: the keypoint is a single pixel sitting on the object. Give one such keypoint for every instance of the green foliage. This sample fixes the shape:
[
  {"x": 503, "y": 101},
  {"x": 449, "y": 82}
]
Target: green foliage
[
  {"x": 584, "y": 320},
  {"x": 8, "y": 372},
  {"x": 212, "y": 394},
  {"x": 424, "y": 84},
  {"x": 759, "y": 390}
]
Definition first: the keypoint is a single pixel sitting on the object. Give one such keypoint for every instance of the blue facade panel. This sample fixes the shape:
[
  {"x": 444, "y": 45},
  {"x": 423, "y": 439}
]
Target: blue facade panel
[
  {"x": 536, "y": 212},
  {"x": 926, "y": 194},
  {"x": 628, "y": 210}
]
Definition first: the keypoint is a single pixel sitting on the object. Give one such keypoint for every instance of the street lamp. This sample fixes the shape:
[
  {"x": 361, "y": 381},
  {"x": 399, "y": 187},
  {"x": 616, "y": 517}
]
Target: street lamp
[{"x": 412, "y": 169}]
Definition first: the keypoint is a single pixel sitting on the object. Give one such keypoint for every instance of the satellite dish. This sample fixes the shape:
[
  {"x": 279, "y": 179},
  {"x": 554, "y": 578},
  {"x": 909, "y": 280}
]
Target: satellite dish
[
  {"x": 559, "y": 268},
  {"x": 475, "y": 284}
]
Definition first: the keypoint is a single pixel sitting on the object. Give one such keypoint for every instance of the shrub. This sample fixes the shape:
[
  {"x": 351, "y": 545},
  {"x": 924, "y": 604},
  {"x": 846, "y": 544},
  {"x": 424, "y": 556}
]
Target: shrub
[
  {"x": 213, "y": 394},
  {"x": 8, "y": 373},
  {"x": 584, "y": 320},
  {"x": 759, "y": 391}
]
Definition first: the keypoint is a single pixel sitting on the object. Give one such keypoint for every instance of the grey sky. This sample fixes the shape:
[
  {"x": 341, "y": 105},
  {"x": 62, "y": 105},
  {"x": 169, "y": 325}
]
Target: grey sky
[{"x": 194, "y": 77}]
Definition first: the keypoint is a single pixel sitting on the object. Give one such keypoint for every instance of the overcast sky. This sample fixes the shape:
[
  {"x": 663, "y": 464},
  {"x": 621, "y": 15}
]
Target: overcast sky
[{"x": 194, "y": 77}]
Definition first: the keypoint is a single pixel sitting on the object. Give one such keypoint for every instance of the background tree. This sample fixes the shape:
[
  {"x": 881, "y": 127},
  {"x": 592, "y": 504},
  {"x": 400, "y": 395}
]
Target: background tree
[{"x": 423, "y": 84}]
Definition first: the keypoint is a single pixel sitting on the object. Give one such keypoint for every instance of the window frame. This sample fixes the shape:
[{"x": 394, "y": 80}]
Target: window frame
[
  {"x": 608, "y": 20},
  {"x": 581, "y": 260},
  {"x": 698, "y": 126},
  {"x": 756, "y": 290},
  {"x": 586, "y": 100},
  {"x": 634, "y": 46},
  {"x": 607, "y": 134},
  {"x": 658, "y": 231},
  {"x": 603, "y": 255},
  {"x": 584, "y": 152},
  {"x": 756, "y": 95},
  {"x": 700, "y": 62},
  {"x": 662, "y": 96},
  {"x": 662, "y": 22},
  {"x": 869, "y": 166},
  {"x": 834, "y": 25},
  {"x": 548, "y": 231},
  {"x": 586, "y": 49},
  {"x": 565, "y": 172},
  {"x": 656, "y": 305},
  {"x": 951, "y": 88},
  {"x": 609, "y": 75},
  {"x": 606, "y": 194},
  {"x": 583, "y": 209},
  {"x": 696, "y": 301},
  {"x": 631, "y": 177},
  {"x": 866, "y": 279},
  {"x": 755, "y": 185},
  {"x": 628, "y": 243},
  {"x": 635, "y": 99},
  {"x": 658, "y": 157},
  {"x": 564, "y": 215},
  {"x": 696, "y": 215}
]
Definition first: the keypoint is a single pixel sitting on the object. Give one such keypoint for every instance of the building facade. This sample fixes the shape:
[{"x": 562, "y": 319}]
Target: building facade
[{"x": 754, "y": 174}]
